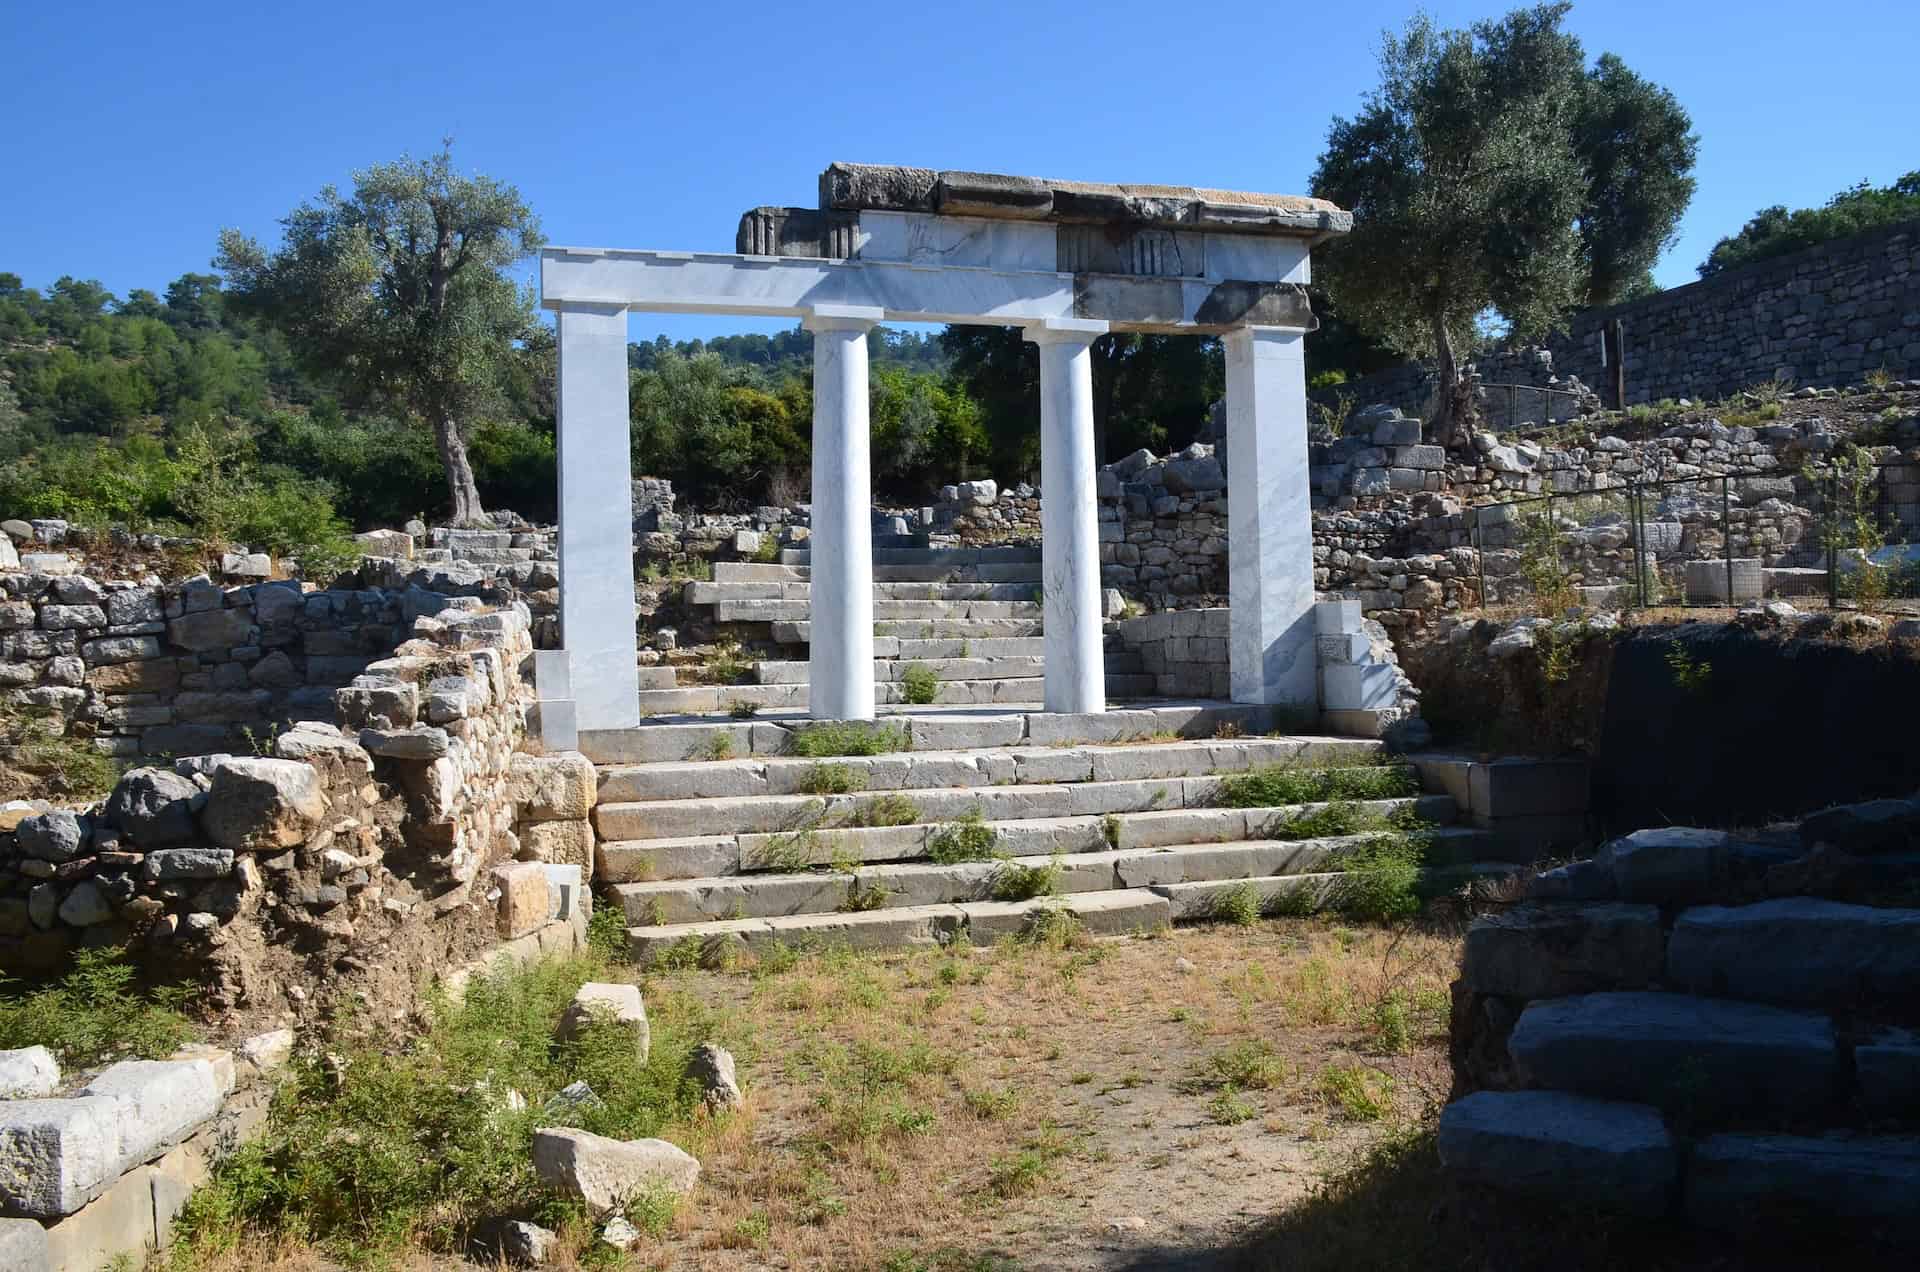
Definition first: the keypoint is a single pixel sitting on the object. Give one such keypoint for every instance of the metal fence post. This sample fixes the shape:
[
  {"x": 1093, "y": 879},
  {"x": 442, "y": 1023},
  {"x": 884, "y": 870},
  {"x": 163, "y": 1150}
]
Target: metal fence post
[
  {"x": 1636, "y": 514},
  {"x": 1480, "y": 553},
  {"x": 1832, "y": 517}
]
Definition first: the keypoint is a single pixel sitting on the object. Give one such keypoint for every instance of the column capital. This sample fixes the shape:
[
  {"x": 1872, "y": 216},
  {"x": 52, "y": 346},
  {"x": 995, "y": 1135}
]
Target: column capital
[
  {"x": 579, "y": 307},
  {"x": 842, "y": 318},
  {"x": 1066, "y": 330},
  {"x": 1252, "y": 335}
]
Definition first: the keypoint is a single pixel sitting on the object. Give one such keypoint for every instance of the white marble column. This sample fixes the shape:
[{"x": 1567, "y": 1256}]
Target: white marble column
[
  {"x": 1076, "y": 674},
  {"x": 840, "y": 647},
  {"x": 596, "y": 517},
  {"x": 1270, "y": 522}
]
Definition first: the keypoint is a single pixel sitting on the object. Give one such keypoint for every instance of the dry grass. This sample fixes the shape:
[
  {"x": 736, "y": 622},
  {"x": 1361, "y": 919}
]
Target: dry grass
[{"x": 982, "y": 1109}]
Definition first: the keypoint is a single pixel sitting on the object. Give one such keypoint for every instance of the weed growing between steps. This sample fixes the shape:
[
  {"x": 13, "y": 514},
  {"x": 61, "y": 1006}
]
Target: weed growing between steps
[
  {"x": 884, "y": 810},
  {"x": 849, "y": 737},
  {"x": 376, "y": 1144},
  {"x": 1279, "y": 784},
  {"x": 969, "y": 838},
  {"x": 919, "y": 684},
  {"x": 832, "y": 779},
  {"x": 1016, "y": 882},
  {"x": 94, "y": 1014}
]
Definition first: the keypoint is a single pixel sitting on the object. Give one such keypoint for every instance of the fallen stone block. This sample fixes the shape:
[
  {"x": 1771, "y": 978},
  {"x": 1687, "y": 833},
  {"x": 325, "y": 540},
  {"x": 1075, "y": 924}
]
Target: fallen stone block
[
  {"x": 1562, "y": 1147},
  {"x": 154, "y": 807},
  {"x": 712, "y": 1067},
  {"x": 620, "y": 1004},
  {"x": 58, "y": 1154},
  {"x": 608, "y": 1173},
  {"x": 161, "y": 1101},
  {"x": 1672, "y": 864},
  {"x": 1545, "y": 950},
  {"x": 523, "y": 898},
  {"x": 1739, "y": 1182},
  {"x": 28, "y": 1073},
  {"x": 1700, "y": 1056},
  {"x": 1797, "y": 950}
]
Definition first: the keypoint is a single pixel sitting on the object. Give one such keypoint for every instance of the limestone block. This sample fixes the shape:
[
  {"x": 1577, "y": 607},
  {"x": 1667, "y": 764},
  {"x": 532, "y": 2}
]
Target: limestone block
[
  {"x": 154, "y": 807},
  {"x": 28, "y": 1073},
  {"x": 161, "y": 1101},
  {"x": 1798, "y": 950},
  {"x": 607, "y": 1173},
  {"x": 64, "y": 618},
  {"x": 211, "y": 629},
  {"x": 267, "y": 1052},
  {"x": 1693, "y": 1054},
  {"x": 1736, "y": 1182},
  {"x": 418, "y": 743},
  {"x": 259, "y": 804},
  {"x": 620, "y": 1004},
  {"x": 523, "y": 898},
  {"x": 118, "y": 1222},
  {"x": 1563, "y": 1147},
  {"x": 1881, "y": 825},
  {"x": 560, "y": 842},
  {"x": 134, "y": 605},
  {"x": 57, "y": 1154},
  {"x": 23, "y": 1242},
  {"x": 552, "y": 787},
  {"x": 1544, "y": 950}
]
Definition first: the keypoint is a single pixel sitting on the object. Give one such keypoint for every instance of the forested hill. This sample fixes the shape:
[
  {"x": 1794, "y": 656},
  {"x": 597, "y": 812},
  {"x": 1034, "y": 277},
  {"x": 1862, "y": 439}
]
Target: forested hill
[{"x": 790, "y": 353}]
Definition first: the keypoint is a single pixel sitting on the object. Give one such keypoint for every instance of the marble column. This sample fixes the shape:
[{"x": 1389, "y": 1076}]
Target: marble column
[
  {"x": 596, "y": 517},
  {"x": 1069, "y": 527},
  {"x": 1270, "y": 523},
  {"x": 840, "y": 646}
]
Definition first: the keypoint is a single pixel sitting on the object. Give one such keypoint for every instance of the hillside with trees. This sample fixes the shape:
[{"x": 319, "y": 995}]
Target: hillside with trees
[{"x": 1775, "y": 231}]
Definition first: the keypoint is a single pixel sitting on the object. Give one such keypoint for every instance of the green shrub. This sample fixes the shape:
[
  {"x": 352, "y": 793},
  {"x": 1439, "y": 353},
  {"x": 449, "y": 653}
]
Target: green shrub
[
  {"x": 891, "y": 809},
  {"x": 1017, "y": 882},
  {"x": 377, "y": 1146},
  {"x": 1279, "y": 785},
  {"x": 94, "y": 1013},
  {"x": 847, "y": 737},
  {"x": 1380, "y": 878},
  {"x": 919, "y": 684},
  {"x": 1239, "y": 905},
  {"x": 832, "y": 779},
  {"x": 969, "y": 838}
]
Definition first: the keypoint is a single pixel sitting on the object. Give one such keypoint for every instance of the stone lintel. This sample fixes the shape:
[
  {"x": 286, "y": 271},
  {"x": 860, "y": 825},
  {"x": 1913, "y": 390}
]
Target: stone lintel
[{"x": 886, "y": 188}]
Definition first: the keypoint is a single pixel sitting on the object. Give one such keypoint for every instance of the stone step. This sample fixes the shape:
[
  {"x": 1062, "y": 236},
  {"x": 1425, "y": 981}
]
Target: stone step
[
  {"x": 777, "y": 814},
  {"x": 799, "y": 632},
  {"x": 758, "y": 572},
  {"x": 885, "y": 611},
  {"x": 1308, "y": 892},
  {"x": 696, "y": 737},
  {"x": 1563, "y": 1147},
  {"x": 790, "y": 775},
  {"x": 1701, "y": 1056},
  {"x": 967, "y": 666},
  {"x": 918, "y": 883},
  {"x": 1120, "y": 913},
  {"x": 955, "y": 693},
  {"x": 717, "y": 592},
  {"x": 1004, "y": 554},
  {"x": 1104, "y": 816}
]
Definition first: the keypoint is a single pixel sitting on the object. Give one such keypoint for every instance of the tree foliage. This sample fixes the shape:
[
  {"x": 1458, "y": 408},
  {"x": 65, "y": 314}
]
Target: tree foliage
[
  {"x": 1775, "y": 231},
  {"x": 1638, "y": 148},
  {"x": 1491, "y": 173},
  {"x": 399, "y": 290}
]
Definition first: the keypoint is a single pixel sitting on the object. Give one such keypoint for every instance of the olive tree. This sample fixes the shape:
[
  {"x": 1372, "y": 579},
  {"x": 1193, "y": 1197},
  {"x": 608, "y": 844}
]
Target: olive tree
[
  {"x": 1490, "y": 175},
  {"x": 400, "y": 290}
]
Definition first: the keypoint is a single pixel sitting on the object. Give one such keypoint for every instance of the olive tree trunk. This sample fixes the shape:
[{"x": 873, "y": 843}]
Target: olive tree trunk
[
  {"x": 460, "y": 484},
  {"x": 1453, "y": 408}
]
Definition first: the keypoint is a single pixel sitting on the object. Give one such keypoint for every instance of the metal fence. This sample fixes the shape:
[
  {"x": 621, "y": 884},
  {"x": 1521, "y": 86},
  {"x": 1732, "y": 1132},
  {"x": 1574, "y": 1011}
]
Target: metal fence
[{"x": 1845, "y": 532}]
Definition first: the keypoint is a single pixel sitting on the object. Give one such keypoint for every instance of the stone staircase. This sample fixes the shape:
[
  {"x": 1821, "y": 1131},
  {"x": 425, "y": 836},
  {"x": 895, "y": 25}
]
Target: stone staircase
[
  {"x": 988, "y": 822},
  {"x": 970, "y": 616}
]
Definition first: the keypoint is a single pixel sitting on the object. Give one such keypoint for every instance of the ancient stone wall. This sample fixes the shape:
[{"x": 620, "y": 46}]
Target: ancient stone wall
[
  {"x": 397, "y": 846},
  {"x": 1826, "y": 315}
]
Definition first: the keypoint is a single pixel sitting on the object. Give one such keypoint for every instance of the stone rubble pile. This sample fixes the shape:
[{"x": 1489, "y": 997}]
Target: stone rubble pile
[{"x": 1721, "y": 1026}]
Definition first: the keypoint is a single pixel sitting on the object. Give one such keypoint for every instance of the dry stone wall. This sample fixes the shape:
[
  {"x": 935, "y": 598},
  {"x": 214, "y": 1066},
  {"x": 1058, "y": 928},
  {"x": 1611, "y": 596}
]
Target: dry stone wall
[{"x": 1824, "y": 316}]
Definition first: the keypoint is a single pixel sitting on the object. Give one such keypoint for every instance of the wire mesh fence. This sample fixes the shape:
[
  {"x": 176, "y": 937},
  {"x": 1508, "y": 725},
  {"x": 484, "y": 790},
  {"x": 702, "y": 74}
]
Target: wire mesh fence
[{"x": 1845, "y": 533}]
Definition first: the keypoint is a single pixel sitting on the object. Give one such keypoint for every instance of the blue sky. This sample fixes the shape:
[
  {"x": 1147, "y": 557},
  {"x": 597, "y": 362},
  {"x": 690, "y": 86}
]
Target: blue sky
[{"x": 135, "y": 130}]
